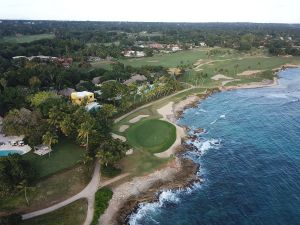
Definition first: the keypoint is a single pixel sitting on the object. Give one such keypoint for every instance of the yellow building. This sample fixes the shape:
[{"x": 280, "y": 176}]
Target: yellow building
[{"x": 82, "y": 97}]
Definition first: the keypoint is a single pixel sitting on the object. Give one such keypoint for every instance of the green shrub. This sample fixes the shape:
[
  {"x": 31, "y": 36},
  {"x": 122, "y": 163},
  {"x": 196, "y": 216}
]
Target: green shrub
[
  {"x": 102, "y": 198},
  {"x": 110, "y": 171}
]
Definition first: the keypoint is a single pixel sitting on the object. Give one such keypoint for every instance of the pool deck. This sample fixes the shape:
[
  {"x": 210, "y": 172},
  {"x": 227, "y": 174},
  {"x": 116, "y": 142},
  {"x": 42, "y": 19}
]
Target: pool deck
[{"x": 7, "y": 146}]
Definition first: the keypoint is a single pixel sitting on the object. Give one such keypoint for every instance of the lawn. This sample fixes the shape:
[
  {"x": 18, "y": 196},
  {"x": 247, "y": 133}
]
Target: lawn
[
  {"x": 64, "y": 155},
  {"x": 49, "y": 191},
  {"x": 73, "y": 214},
  {"x": 153, "y": 135},
  {"x": 26, "y": 38}
]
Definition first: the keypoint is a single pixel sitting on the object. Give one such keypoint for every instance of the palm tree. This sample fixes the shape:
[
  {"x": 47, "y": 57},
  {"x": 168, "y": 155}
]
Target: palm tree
[
  {"x": 3, "y": 83},
  {"x": 50, "y": 139},
  {"x": 23, "y": 186},
  {"x": 85, "y": 130},
  {"x": 236, "y": 68}
]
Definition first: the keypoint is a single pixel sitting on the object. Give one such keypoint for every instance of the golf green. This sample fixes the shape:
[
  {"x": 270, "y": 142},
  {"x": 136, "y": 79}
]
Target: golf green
[{"x": 152, "y": 134}]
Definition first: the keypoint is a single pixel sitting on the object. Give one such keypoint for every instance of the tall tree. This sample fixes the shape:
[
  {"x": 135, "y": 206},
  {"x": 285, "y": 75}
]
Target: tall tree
[
  {"x": 86, "y": 128},
  {"x": 50, "y": 139}
]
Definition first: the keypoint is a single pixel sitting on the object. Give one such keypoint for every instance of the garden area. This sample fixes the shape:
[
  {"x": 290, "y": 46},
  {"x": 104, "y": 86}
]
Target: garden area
[
  {"x": 65, "y": 154},
  {"x": 60, "y": 175}
]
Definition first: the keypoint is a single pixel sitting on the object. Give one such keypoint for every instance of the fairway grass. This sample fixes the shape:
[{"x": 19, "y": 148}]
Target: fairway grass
[
  {"x": 73, "y": 214},
  {"x": 153, "y": 135},
  {"x": 26, "y": 38}
]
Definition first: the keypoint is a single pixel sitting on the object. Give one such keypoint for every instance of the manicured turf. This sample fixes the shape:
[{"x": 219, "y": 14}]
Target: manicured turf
[
  {"x": 26, "y": 38},
  {"x": 64, "y": 155},
  {"x": 153, "y": 135},
  {"x": 73, "y": 214},
  {"x": 168, "y": 60}
]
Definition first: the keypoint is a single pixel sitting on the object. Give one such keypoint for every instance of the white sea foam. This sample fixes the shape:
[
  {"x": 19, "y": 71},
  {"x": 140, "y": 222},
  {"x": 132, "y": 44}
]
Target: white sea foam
[
  {"x": 147, "y": 209},
  {"x": 213, "y": 122},
  {"x": 203, "y": 146},
  {"x": 222, "y": 116},
  {"x": 202, "y": 110}
]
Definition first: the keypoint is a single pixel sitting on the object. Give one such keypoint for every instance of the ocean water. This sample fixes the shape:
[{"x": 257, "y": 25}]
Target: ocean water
[{"x": 249, "y": 160}]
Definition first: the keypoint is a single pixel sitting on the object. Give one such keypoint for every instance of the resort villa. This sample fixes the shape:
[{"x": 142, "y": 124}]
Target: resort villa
[
  {"x": 85, "y": 97},
  {"x": 82, "y": 97}
]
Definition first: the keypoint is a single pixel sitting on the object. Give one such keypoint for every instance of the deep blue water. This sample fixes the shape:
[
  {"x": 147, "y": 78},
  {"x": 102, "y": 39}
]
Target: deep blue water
[{"x": 249, "y": 160}]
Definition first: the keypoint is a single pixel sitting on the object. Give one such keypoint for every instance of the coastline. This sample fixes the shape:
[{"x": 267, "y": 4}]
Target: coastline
[{"x": 179, "y": 173}]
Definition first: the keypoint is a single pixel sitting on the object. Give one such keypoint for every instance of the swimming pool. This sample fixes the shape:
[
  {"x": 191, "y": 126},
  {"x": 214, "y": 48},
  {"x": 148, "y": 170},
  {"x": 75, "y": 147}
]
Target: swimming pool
[{"x": 7, "y": 152}]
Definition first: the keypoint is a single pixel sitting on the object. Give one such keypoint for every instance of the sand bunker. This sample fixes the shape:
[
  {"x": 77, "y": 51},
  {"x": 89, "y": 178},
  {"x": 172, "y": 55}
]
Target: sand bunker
[
  {"x": 221, "y": 77},
  {"x": 129, "y": 152},
  {"x": 138, "y": 118},
  {"x": 175, "y": 71},
  {"x": 250, "y": 72},
  {"x": 115, "y": 136},
  {"x": 123, "y": 128}
]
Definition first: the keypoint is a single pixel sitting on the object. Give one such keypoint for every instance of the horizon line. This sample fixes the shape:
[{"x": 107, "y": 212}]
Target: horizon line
[{"x": 137, "y": 21}]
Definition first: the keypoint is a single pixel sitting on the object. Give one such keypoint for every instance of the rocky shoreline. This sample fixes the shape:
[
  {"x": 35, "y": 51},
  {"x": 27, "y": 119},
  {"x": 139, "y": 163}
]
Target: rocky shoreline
[
  {"x": 180, "y": 173},
  {"x": 185, "y": 177}
]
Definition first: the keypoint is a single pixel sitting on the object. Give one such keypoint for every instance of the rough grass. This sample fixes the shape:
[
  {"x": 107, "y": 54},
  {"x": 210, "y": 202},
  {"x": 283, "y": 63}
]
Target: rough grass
[
  {"x": 48, "y": 191},
  {"x": 102, "y": 198},
  {"x": 73, "y": 214},
  {"x": 64, "y": 155},
  {"x": 153, "y": 135},
  {"x": 26, "y": 38},
  {"x": 102, "y": 64}
]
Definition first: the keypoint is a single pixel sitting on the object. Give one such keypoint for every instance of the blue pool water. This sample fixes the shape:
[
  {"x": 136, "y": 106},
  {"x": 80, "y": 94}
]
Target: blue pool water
[
  {"x": 249, "y": 159},
  {"x": 7, "y": 152}
]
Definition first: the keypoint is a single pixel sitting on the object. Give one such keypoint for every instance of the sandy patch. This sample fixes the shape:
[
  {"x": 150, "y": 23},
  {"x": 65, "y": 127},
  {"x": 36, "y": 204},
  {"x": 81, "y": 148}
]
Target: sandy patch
[
  {"x": 291, "y": 65},
  {"x": 123, "y": 128},
  {"x": 250, "y": 72},
  {"x": 175, "y": 71},
  {"x": 264, "y": 83},
  {"x": 116, "y": 136},
  {"x": 180, "y": 106},
  {"x": 137, "y": 119},
  {"x": 221, "y": 77},
  {"x": 129, "y": 152}
]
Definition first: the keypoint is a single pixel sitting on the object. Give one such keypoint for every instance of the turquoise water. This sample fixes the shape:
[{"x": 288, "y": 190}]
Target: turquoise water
[
  {"x": 8, "y": 152},
  {"x": 249, "y": 160}
]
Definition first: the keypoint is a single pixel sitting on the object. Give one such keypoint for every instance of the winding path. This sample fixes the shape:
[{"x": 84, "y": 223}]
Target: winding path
[{"x": 88, "y": 192}]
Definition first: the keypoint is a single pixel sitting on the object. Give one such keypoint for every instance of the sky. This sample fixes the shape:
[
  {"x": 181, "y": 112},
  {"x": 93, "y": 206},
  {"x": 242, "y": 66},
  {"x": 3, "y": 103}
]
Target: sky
[{"x": 267, "y": 11}]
